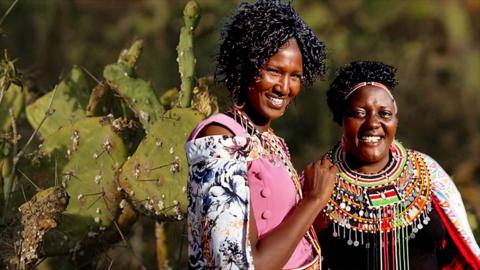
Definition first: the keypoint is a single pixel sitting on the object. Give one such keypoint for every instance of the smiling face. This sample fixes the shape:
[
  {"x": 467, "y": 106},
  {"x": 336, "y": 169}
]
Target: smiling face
[
  {"x": 369, "y": 127},
  {"x": 278, "y": 82}
]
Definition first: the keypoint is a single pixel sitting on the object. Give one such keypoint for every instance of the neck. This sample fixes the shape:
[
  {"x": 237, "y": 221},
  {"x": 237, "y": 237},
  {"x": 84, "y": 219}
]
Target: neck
[
  {"x": 261, "y": 124},
  {"x": 367, "y": 168}
]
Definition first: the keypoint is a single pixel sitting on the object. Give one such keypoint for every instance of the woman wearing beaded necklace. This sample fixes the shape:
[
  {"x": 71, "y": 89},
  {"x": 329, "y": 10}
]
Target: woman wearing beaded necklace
[
  {"x": 392, "y": 207},
  {"x": 247, "y": 207}
]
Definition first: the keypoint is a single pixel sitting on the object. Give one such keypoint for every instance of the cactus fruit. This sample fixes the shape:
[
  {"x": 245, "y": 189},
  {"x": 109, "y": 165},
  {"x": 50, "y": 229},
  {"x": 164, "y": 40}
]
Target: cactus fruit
[
  {"x": 155, "y": 176},
  {"x": 89, "y": 154},
  {"x": 186, "y": 58},
  {"x": 67, "y": 106}
]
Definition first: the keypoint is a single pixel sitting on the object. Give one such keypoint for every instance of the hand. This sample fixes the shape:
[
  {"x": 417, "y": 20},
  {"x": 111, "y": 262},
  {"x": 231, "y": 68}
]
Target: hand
[{"x": 319, "y": 180}]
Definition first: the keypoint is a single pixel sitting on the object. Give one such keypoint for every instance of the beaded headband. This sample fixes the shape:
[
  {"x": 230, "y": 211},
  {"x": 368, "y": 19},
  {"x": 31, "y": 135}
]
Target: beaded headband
[{"x": 377, "y": 84}]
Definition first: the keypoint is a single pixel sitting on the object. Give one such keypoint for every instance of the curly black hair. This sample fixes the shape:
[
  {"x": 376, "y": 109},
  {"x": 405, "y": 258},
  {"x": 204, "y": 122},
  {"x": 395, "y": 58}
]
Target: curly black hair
[
  {"x": 350, "y": 75},
  {"x": 254, "y": 33}
]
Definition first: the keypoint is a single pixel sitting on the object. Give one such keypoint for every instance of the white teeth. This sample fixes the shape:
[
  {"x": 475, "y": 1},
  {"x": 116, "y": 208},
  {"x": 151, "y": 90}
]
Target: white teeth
[
  {"x": 370, "y": 139},
  {"x": 276, "y": 101}
]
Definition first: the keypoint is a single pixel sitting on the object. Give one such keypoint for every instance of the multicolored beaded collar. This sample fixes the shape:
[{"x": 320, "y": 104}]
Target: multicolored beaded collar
[{"x": 392, "y": 205}]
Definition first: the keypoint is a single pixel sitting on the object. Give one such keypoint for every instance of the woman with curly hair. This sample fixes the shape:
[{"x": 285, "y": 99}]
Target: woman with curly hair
[
  {"x": 392, "y": 207},
  {"x": 247, "y": 205}
]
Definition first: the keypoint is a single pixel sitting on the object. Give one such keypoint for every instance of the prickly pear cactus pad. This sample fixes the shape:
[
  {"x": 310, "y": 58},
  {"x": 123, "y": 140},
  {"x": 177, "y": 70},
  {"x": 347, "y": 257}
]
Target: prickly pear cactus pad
[
  {"x": 155, "y": 176},
  {"x": 12, "y": 99},
  {"x": 71, "y": 97},
  {"x": 92, "y": 154},
  {"x": 137, "y": 93},
  {"x": 186, "y": 58}
]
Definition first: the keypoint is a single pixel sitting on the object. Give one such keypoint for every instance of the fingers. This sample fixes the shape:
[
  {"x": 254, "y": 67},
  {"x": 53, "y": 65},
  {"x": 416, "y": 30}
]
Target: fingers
[{"x": 324, "y": 162}]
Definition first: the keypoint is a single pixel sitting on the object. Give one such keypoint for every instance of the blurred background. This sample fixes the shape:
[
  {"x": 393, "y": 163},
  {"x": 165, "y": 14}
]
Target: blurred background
[{"x": 435, "y": 46}]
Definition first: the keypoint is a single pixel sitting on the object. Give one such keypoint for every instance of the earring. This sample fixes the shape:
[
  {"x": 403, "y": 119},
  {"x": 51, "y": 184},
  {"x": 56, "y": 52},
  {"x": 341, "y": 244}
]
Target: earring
[
  {"x": 236, "y": 100},
  {"x": 342, "y": 142}
]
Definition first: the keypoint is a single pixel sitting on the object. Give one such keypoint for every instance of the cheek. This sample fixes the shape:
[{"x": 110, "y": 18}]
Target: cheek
[
  {"x": 350, "y": 129},
  {"x": 253, "y": 96},
  {"x": 296, "y": 89},
  {"x": 263, "y": 82},
  {"x": 392, "y": 128}
]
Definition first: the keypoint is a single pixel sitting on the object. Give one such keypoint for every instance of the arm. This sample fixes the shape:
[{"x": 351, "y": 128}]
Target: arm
[
  {"x": 218, "y": 202},
  {"x": 275, "y": 248}
]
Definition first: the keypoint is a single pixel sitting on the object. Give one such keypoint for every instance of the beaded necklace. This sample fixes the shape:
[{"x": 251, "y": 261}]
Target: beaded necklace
[
  {"x": 390, "y": 206},
  {"x": 275, "y": 146}
]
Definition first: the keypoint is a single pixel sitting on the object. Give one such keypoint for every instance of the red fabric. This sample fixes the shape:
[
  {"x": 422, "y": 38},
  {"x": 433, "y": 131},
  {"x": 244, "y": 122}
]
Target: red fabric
[{"x": 465, "y": 259}]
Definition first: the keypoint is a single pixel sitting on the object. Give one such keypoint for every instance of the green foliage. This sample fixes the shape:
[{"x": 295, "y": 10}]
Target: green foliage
[
  {"x": 64, "y": 105},
  {"x": 12, "y": 99},
  {"x": 155, "y": 176},
  {"x": 86, "y": 139}
]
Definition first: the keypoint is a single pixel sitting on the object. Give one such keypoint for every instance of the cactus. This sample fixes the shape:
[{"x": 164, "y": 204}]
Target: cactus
[
  {"x": 186, "y": 59},
  {"x": 137, "y": 93},
  {"x": 129, "y": 57},
  {"x": 98, "y": 100},
  {"x": 71, "y": 97},
  {"x": 84, "y": 157},
  {"x": 89, "y": 154},
  {"x": 155, "y": 176},
  {"x": 169, "y": 98}
]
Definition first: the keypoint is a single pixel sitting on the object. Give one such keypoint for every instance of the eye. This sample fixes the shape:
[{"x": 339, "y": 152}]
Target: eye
[
  {"x": 297, "y": 77},
  {"x": 357, "y": 114},
  {"x": 385, "y": 114},
  {"x": 273, "y": 71}
]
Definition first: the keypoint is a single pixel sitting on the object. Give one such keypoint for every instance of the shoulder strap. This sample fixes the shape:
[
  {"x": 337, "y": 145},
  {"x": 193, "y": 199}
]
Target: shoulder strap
[{"x": 221, "y": 119}]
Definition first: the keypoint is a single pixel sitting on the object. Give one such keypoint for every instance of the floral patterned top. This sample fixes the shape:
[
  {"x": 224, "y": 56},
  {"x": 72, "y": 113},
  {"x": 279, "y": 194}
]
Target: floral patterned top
[{"x": 228, "y": 176}]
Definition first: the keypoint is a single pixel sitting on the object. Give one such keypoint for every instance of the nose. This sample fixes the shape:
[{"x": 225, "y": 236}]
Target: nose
[
  {"x": 282, "y": 87},
  {"x": 373, "y": 121}
]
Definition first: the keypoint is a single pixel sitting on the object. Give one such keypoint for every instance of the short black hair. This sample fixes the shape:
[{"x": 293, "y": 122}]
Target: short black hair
[
  {"x": 350, "y": 75},
  {"x": 254, "y": 33}
]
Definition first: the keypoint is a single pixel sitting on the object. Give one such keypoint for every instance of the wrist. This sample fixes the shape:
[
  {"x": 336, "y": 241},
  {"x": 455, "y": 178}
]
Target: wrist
[{"x": 314, "y": 201}]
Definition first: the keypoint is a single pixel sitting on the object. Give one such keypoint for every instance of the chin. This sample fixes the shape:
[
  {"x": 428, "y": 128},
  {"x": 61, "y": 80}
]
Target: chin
[
  {"x": 275, "y": 114},
  {"x": 272, "y": 114}
]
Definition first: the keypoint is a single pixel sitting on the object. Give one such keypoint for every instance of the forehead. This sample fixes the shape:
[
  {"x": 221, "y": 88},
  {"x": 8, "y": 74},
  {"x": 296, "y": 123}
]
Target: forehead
[
  {"x": 371, "y": 96},
  {"x": 289, "y": 51}
]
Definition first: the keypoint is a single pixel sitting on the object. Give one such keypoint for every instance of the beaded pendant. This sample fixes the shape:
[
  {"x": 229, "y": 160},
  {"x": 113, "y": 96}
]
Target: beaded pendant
[{"x": 390, "y": 206}]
